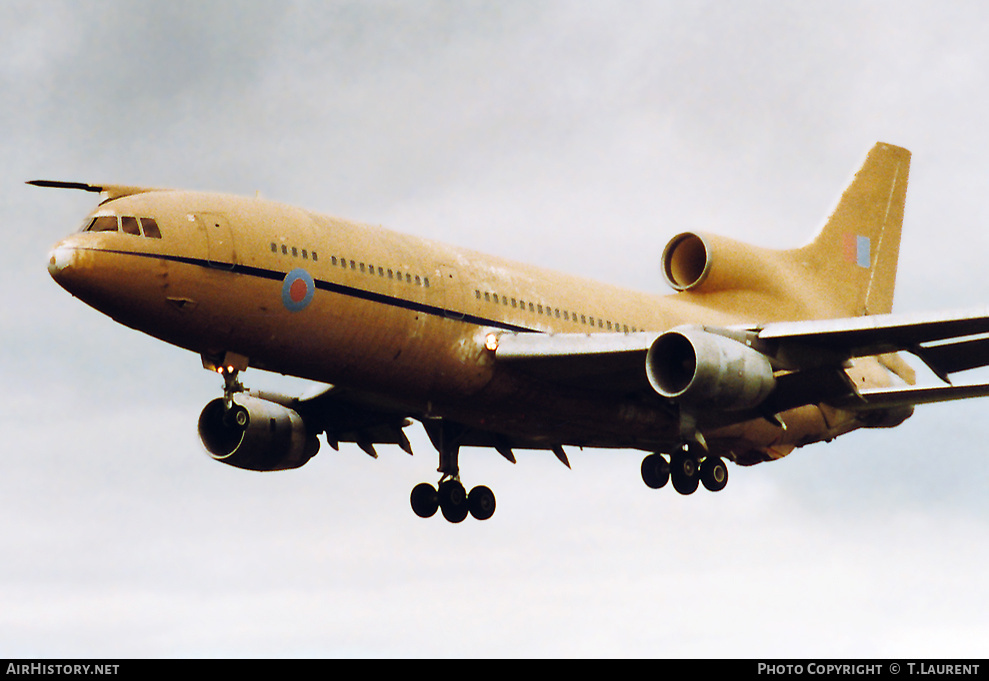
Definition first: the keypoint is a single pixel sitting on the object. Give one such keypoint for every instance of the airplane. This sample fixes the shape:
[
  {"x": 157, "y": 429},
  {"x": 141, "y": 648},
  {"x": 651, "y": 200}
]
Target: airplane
[{"x": 757, "y": 351}]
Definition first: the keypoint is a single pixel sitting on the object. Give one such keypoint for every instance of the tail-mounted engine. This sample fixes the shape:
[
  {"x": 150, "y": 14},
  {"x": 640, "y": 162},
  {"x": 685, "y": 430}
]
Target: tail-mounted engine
[
  {"x": 706, "y": 262},
  {"x": 256, "y": 434},
  {"x": 703, "y": 369}
]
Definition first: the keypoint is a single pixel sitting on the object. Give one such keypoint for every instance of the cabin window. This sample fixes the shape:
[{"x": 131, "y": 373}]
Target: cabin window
[{"x": 274, "y": 247}]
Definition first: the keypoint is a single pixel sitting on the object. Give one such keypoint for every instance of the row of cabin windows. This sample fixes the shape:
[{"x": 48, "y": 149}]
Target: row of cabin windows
[
  {"x": 124, "y": 223},
  {"x": 554, "y": 312},
  {"x": 354, "y": 265},
  {"x": 295, "y": 252},
  {"x": 383, "y": 272}
]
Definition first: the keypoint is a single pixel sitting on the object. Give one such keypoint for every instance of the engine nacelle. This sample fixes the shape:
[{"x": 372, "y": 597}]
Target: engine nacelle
[
  {"x": 703, "y": 369},
  {"x": 256, "y": 434},
  {"x": 706, "y": 262}
]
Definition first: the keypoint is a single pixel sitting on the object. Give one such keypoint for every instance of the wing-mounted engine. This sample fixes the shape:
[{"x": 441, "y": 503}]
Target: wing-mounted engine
[
  {"x": 703, "y": 369},
  {"x": 256, "y": 434},
  {"x": 707, "y": 263}
]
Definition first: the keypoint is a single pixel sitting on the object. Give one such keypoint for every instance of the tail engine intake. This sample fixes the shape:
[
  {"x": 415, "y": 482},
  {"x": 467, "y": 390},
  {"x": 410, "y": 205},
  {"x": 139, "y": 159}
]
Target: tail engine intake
[{"x": 706, "y": 263}]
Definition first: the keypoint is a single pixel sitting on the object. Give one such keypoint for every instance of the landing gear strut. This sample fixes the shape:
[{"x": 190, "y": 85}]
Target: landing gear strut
[
  {"x": 686, "y": 470},
  {"x": 450, "y": 497}
]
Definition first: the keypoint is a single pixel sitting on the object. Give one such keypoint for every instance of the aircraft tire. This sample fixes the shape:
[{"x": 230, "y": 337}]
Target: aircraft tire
[
  {"x": 655, "y": 471},
  {"x": 714, "y": 474},
  {"x": 425, "y": 500},
  {"x": 481, "y": 502},
  {"x": 453, "y": 501},
  {"x": 684, "y": 473}
]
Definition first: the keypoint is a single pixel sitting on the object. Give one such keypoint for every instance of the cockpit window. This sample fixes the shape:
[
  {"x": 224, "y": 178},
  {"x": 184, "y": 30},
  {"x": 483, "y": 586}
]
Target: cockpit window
[
  {"x": 126, "y": 224},
  {"x": 150, "y": 228},
  {"x": 104, "y": 223},
  {"x": 129, "y": 226}
]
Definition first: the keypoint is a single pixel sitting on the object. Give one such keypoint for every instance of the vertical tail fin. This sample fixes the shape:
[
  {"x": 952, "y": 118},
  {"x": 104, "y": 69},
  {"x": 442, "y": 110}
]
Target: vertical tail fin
[{"x": 856, "y": 251}]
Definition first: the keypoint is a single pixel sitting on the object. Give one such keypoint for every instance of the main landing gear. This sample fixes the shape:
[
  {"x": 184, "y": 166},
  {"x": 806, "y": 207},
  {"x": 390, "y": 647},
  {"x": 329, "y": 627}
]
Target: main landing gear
[
  {"x": 453, "y": 501},
  {"x": 686, "y": 469},
  {"x": 450, "y": 496}
]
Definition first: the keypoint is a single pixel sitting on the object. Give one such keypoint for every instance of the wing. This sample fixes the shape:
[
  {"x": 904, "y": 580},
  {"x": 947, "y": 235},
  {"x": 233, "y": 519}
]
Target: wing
[
  {"x": 612, "y": 362},
  {"x": 948, "y": 343},
  {"x": 348, "y": 416},
  {"x": 809, "y": 356}
]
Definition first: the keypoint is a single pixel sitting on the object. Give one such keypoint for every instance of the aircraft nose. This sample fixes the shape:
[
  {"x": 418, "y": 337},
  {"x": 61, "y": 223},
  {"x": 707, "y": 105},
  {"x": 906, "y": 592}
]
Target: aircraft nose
[
  {"x": 70, "y": 266},
  {"x": 60, "y": 259}
]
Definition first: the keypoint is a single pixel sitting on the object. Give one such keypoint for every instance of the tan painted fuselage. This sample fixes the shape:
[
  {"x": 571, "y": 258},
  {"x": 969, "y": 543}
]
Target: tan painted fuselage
[{"x": 406, "y": 319}]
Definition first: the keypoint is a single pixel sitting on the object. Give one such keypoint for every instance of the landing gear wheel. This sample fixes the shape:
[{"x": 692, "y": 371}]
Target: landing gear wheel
[
  {"x": 481, "y": 502},
  {"x": 425, "y": 500},
  {"x": 714, "y": 473},
  {"x": 453, "y": 501},
  {"x": 655, "y": 471},
  {"x": 683, "y": 471}
]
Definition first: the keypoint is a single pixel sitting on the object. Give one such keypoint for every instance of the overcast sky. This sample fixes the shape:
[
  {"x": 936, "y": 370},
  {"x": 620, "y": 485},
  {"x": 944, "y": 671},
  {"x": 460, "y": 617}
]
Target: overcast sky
[{"x": 577, "y": 135}]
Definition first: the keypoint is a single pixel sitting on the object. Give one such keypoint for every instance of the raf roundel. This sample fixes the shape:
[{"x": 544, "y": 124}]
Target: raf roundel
[{"x": 298, "y": 290}]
